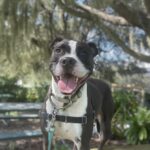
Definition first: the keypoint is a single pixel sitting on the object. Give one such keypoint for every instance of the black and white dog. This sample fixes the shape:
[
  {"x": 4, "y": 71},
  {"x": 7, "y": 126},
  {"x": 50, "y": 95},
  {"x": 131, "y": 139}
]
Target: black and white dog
[{"x": 77, "y": 95}]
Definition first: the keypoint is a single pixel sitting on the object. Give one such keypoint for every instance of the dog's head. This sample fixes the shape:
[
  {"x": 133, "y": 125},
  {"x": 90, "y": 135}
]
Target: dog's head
[{"x": 71, "y": 63}]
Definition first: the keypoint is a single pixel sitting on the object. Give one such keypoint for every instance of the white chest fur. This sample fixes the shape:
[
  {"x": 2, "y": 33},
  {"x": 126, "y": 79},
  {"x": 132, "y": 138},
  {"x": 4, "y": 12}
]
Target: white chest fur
[{"x": 71, "y": 131}]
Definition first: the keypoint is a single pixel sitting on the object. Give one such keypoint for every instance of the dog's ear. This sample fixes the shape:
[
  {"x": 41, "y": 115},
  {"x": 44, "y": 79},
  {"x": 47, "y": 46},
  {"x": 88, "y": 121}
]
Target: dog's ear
[
  {"x": 94, "y": 48},
  {"x": 57, "y": 39}
]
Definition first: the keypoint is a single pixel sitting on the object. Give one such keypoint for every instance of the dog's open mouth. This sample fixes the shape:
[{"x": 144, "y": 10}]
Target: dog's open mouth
[{"x": 68, "y": 83}]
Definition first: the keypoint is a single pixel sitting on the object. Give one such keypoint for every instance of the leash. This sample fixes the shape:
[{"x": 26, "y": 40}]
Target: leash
[
  {"x": 50, "y": 137},
  {"x": 51, "y": 128}
]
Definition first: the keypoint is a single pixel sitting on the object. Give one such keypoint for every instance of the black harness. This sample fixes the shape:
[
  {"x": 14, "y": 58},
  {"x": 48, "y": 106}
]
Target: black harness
[
  {"x": 66, "y": 119},
  {"x": 62, "y": 118}
]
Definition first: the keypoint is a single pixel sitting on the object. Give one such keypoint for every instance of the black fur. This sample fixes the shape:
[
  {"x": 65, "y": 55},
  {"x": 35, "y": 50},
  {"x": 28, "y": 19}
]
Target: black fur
[{"x": 100, "y": 103}]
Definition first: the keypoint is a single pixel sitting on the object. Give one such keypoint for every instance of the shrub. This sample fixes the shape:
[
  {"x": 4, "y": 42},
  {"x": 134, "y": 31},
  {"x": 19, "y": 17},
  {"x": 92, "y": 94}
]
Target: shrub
[
  {"x": 139, "y": 127},
  {"x": 37, "y": 94},
  {"x": 131, "y": 121},
  {"x": 125, "y": 106},
  {"x": 11, "y": 92}
]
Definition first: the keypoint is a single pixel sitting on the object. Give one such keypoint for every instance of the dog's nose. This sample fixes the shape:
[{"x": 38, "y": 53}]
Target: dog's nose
[{"x": 67, "y": 61}]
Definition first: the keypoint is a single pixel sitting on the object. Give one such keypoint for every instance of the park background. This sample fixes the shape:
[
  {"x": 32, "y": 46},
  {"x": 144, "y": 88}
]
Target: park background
[{"x": 121, "y": 31}]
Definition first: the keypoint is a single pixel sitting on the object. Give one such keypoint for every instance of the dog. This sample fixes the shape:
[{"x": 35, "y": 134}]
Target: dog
[{"x": 76, "y": 95}]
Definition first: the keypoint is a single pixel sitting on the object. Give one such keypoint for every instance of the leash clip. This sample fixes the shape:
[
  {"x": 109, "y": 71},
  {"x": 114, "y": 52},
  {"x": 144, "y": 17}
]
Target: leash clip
[
  {"x": 51, "y": 121},
  {"x": 54, "y": 113}
]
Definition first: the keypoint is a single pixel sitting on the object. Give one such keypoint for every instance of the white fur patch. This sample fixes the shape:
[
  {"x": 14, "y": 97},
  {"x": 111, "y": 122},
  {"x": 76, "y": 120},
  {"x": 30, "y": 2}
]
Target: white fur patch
[
  {"x": 73, "y": 45},
  {"x": 70, "y": 131}
]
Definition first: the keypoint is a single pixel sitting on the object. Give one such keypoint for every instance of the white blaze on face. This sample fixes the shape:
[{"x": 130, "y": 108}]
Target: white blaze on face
[
  {"x": 79, "y": 69},
  {"x": 73, "y": 45}
]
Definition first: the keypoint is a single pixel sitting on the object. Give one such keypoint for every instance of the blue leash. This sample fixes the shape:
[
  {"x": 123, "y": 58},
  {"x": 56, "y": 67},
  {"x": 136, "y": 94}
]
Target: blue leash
[
  {"x": 51, "y": 128},
  {"x": 50, "y": 137}
]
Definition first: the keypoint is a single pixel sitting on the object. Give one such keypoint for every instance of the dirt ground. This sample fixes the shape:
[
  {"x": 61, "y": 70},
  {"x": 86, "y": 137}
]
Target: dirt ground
[{"x": 36, "y": 143}]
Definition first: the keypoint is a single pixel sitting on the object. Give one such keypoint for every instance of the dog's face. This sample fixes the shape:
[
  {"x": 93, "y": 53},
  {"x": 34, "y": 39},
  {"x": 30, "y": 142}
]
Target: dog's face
[{"x": 71, "y": 63}]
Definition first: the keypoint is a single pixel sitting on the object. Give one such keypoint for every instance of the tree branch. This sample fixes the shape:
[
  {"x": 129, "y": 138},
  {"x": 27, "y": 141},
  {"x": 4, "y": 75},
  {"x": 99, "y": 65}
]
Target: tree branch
[
  {"x": 129, "y": 15},
  {"x": 84, "y": 10},
  {"x": 135, "y": 17},
  {"x": 95, "y": 19},
  {"x": 72, "y": 10},
  {"x": 116, "y": 20},
  {"x": 115, "y": 38}
]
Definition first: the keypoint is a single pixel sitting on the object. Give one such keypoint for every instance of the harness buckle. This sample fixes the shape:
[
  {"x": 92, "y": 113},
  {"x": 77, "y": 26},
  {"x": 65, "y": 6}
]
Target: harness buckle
[{"x": 51, "y": 121}]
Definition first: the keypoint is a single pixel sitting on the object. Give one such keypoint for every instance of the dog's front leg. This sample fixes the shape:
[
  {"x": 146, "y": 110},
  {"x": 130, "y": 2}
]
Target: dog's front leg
[
  {"x": 85, "y": 147},
  {"x": 105, "y": 132},
  {"x": 85, "y": 144},
  {"x": 81, "y": 145}
]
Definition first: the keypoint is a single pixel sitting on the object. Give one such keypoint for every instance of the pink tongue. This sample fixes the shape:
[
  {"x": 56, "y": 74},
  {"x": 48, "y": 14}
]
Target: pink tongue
[{"x": 67, "y": 85}]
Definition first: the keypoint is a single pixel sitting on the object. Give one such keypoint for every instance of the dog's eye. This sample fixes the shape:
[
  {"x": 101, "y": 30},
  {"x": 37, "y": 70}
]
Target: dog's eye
[{"x": 58, "y": 50}]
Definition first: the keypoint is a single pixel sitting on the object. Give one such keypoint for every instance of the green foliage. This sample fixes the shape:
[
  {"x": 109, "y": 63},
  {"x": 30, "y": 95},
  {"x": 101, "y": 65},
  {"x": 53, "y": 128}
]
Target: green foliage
[
  {"x": 139, "y": 131},
  {"x": 61, "y": 147},
  {"x": 10, "y": 91},
  {"x": 125, "y": 106},
  {"x": 36, "y": 93},
  {"x": 27, "y": 28},
  {"x": 64, "y": 145},
  {"x": 130, "y": 120}
]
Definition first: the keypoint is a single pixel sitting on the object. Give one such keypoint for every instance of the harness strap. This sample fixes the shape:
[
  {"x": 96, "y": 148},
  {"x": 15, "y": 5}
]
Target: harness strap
[
  {"x": 69, "y": 119},
  {"x": 66, "y": 119}
]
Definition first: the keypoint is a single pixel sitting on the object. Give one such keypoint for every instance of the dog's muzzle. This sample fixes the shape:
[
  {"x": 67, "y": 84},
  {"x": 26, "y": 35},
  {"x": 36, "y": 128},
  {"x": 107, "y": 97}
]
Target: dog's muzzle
[{"x": 67, "y": 62}]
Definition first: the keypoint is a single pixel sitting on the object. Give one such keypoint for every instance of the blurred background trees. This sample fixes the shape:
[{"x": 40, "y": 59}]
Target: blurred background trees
[
  {"x": 121, "y": 31},
  {"x": 119, "y": 28}
]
